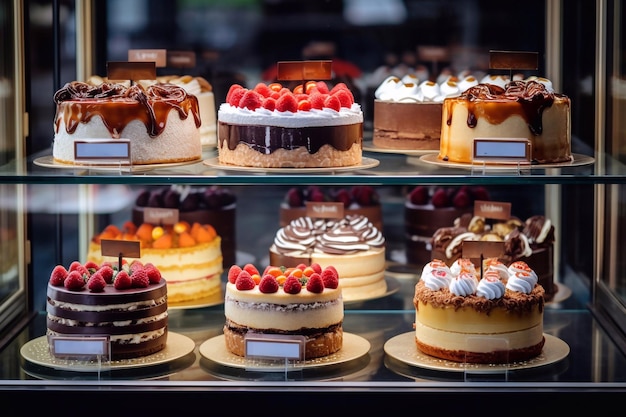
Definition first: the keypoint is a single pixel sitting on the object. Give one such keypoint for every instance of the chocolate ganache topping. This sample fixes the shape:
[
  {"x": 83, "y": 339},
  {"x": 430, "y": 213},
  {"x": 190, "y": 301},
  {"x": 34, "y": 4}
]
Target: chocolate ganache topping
[
  {"x": 118, "y": 105},
  {"x": 532, "y": 98},
  {"x": 353, "y": 233}
]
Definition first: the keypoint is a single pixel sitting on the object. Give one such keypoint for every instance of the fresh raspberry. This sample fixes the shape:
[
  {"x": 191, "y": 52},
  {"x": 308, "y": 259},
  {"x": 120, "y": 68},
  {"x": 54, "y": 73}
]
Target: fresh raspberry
[
  {"x": 292, "y": 285},
  {"x": 365, "y": 195},
  {"x": 461, "y": 200},
  {"x": 345, "y": 97},
  {"x": 480, "y": 194},
  {"x": 316, "y": 267},
  {"x": 343, "y": 196},
  {"x": 244, "y": 281},
  {"x": 107, "y": 273},
  {"x": 287, "y": 102},
  {"x": 315, "y": 284},
  {"x": 233, "y": 272},
  {"x": 135, "y": 265},
  {"x": 268, "y": 284},
  {"x": 251, "y": 269},
  {"x": 295, "y": 198},
  {"x": 316, "y": 195},
  {"x": 154, "y": 275},
  {"x": 440, "y": 198},
  {"x": 330, "y": 278},
  {"x": 74, "y": 281},
  {"x": 140, "y": 278},
  {"x": 251, "y": 100},
  {"x": 419, "y": 195},
  {"x": 58, "y": 275},
  {"x": 96, "y": 282},
  {"x": 332, "y": 102},
  {"x": 122, "y": 281}
]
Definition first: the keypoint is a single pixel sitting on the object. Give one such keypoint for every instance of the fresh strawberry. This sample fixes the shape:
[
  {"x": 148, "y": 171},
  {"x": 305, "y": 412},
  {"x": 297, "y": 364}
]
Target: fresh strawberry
[
  {"x": 419, "y": 195},
  {"x": 317, "y": 100},
  {"x": 292, "y": 285},
  {"x": 236, "y": 97},
  {"x": 96, "y": 282},
  {"x": 107, "y": 273},
  {"x": 233, "y": 272},
  {"x": 275, "y": 87},
  {"x": 122, "y": 280},
  {"x": 440, "y": 198},
  {"x": 251, "y": 100},
  {"x": 269, "y": 103},
  {"x": 304, "y": 105},
  {"x": 251, "y": 269},
  {"x": 263, "y": 89},
  {"x": 332, "y": 102},
  {"x": 154, "y": 275},
  {"x": 58, "y": 275},
  {"x": 310, "y": 86},
  {"x": 287, "y": 102},
  {"x": 345, "y": 98},
  {"x": 330, "y": 278},
  {"x": 301, "y": 267},
  {"x": 268, "y": 284},
  {"x": 74, "y": 281},
  {"x": 74, "y": 265},
  {"x": 134, "y": 265},
  {"x": 339, "y": 86},
  {"x": 322, "y": 87},
  {"x": 233, "y": 88},
  {"x": 315, "y": 284},
  {"x": 461, "y": 200},
  {"x": 244, "y": 281},
  {"x": 140, "y": 278},
  {"x": 91, "y": 266},
  {"x": 316, "y": 267}
]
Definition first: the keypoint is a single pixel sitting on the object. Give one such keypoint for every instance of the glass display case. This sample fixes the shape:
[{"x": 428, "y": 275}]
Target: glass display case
[{"x": 49, "y": 214}]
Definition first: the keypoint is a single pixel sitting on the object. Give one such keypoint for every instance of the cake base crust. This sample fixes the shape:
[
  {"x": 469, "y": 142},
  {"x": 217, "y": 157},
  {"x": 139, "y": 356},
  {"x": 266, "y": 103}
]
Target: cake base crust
[{"x": 319, "y": 344}]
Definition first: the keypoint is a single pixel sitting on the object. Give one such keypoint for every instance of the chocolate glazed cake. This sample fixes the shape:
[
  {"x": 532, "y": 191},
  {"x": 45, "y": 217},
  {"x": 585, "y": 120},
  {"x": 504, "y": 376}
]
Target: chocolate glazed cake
[{"x": 135, "y": 319}]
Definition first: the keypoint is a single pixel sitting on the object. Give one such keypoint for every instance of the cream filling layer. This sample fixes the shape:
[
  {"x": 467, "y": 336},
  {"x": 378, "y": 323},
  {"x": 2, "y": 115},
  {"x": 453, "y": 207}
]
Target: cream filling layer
[
  {"x": 481, "y": 343},
  {"x": 129, "y": 339},
  {"x": 108, "y": 307},
  {"x": 120, "y": 323}
]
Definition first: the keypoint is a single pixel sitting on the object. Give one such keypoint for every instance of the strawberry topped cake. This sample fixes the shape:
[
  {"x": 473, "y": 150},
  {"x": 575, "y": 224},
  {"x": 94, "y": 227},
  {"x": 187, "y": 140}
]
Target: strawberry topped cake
[
  {"x": 301, "y": 301},
  {"x": 272, "y": 126},
  {"x": 127, "y": 304}
]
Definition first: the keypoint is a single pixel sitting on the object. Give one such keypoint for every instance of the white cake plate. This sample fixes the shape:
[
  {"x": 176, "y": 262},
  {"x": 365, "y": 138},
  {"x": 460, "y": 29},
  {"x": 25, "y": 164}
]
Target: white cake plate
[
  {"x": 366, "y": 163},
  {"x": 579, "y": 160},
  {"x": 49, "y": 162}
]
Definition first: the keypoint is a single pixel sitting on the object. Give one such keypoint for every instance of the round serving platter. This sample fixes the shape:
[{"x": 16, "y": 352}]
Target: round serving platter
[
  {"x": 578, "y": 160},
  {"x": 366, "y": 163},
  {"x": 214, "y": 349},
  {"x": 49, "y": 162},
  {"x": 403, "y": 349}
]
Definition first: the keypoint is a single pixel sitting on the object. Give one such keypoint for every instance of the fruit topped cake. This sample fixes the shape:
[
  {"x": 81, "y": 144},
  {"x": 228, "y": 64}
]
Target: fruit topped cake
[
  {"x": 524, "y": 109},
  {"x": 271, "y": 126},
  {"x": 188, "y": 255},
  {"x": 427, "y": 209},
  {"x": 213, "y": 205},
  {"x": 351, "y": 244},
  {"x": 463, "y": 316},
  {"x": 127, "y": 304},
  {"x": 305, "y": 300},
  {"x": 359, "y": 199},
  {"x": 161, "y": 121}
]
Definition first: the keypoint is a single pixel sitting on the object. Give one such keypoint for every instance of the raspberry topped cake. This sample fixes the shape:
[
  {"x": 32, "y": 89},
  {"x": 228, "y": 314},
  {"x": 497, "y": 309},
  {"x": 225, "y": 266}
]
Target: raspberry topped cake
[
  {"x": 303, "y": 301},
  {"x": 272, "y": 126},
  {"x": 463, "y": 316},
  {"x": 359, "y": 199},
  {"x": 127, "y": 304}
]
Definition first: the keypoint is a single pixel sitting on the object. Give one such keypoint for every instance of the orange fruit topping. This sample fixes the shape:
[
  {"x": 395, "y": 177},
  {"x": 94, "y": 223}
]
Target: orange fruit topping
[
  {"x": 185, "y": 240},
  {"x": 157, "y": 232},
  {"x": 256, "y": 278},
  {"x": 163, "y": 242},
  {"x": 144, "y": 232},
  {"x": 308, "y": 271},
  {"x": 281, "y": 279},
  {"x": 181, "y": 227},
  {"x": 274, "y": 271},
  {"x": 204, "y": 233}
]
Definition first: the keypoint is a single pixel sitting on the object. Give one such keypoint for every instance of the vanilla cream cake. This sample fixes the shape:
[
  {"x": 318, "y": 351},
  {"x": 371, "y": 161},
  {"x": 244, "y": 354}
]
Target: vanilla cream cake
[
  {"x": 188, "y": 256},
  {"x": 161, "y": 121},
  {"x": 465, "y": 317},
  {"x": 271, "y": 126},
  {"x": 301, "y": 301},
  {"x": 129, "y": 305},
  {"x": 351, "y": 244},
  {"x": 528, "y": 109}
]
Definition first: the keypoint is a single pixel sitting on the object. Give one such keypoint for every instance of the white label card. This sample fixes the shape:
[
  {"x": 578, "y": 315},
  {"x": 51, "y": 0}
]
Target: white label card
[
  {"x": 79, "y": 346},
  {"x": 502, "y": 150},
  {"x": 268, "y": 346},
  {"x": 102, "y": 150}
]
